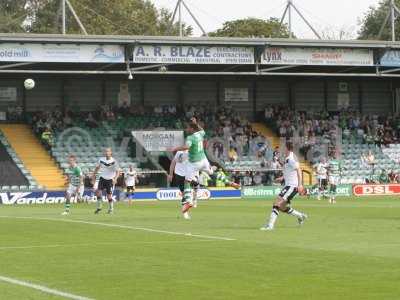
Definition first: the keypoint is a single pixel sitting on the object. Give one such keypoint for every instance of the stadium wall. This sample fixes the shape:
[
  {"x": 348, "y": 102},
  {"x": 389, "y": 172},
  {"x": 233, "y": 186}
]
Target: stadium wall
[{"x": 369, "y": 96}]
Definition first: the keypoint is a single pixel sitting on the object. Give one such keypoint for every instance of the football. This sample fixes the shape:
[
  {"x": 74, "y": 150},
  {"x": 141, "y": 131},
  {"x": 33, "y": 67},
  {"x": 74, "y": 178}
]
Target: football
[{"x": 29, "y": 84}]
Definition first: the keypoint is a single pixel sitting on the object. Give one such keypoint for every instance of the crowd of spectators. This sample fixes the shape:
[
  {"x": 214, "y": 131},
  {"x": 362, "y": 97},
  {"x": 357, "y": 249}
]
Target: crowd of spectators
[{"x": 356, "y": 127}]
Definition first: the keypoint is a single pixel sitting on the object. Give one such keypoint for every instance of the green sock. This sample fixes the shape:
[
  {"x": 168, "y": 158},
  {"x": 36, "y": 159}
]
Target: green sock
[
  {"x": 187, "y": 193},
  {"x": 67, "y": 206}
]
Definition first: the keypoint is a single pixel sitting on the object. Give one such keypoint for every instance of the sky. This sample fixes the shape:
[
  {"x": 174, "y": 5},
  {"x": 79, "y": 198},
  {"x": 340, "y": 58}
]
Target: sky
[{"x": 329, "y": 16}]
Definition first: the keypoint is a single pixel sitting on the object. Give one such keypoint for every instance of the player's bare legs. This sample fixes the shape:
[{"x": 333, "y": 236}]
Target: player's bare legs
[
  {"x": 99, "y": 203},
  {"x": 281, "y": 205}
]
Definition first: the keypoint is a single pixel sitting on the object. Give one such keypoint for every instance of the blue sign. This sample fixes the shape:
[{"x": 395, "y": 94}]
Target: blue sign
[{"x": 391, "y": 59}]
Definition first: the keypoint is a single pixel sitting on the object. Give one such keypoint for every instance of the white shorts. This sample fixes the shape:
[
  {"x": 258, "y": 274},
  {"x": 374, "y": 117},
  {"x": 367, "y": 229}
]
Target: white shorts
[
  {"x": 193, "y": 169},
  {"x": 96, "y": 185},
  {"x": 334, "y": 179},
  {"x": 72, "y": 190}
]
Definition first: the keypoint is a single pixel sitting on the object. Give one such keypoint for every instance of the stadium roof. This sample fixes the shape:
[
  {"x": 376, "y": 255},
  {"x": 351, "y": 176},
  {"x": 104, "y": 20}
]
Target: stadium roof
[
  {"x": 125, "y": 39},
  {"x": 128, "y": 67}
]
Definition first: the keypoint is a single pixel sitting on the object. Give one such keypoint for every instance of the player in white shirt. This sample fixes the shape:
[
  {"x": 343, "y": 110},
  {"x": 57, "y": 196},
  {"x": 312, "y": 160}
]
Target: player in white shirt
[
  {"x": 130, "y": 183},
  {"x": 176, "y": 177},
  {"x": 321, "y": 169},
  {"x": 109, "y": 172},
  {"x": 292, "y": 185}
]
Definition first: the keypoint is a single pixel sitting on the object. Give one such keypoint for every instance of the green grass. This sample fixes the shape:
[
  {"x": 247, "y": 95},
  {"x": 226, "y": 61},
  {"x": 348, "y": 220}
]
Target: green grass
[{"x": 345, "y": 251}]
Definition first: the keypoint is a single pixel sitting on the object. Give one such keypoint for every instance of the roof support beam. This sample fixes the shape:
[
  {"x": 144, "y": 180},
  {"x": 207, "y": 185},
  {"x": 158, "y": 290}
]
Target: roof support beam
[
  {"x": 17, "y": 65},
  {"x": 277, "y": 68},
  {"x": 98, "y": 72}
]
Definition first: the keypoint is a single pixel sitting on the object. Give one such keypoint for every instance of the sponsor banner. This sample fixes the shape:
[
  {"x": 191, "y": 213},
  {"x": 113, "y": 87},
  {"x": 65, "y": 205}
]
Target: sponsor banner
[
  {"x": 174, "y": 194},
  {"x": 43, "y": 197},
  {"x": 159, "y": 140},
  {"x": 170, "y": 54},
  {"x": 68, "y": 53},
  {"x": 318, "y": 56},
  {"x": 391, "y": 59},
  {"x": 263, "y": 192},
  {"x": 376, "y": 189},
  {"x": 342, "y": 190},
  {"x": 236, "y": 94},
  {"x": 8, "y": 94}
]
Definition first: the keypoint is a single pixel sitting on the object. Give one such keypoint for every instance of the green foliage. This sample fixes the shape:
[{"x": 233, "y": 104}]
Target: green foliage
[
  {"x": 124, "y": 17},
  {"x": 12, "y": 15},
  {"x": 252, "y": 27},
  {"x": 372, "y": 21}
]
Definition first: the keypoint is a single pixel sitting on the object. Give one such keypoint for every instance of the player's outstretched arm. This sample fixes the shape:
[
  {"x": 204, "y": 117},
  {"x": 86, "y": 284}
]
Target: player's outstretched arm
[
  {"x": 171, "y": 170},
  {"x": 179, "y": 148}
]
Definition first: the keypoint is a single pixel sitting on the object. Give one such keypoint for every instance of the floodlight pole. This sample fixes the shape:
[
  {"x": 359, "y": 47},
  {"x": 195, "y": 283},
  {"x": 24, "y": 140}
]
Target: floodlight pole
[
  {"x": 180, "y": 17},
  {"x": 288, "y": 11},
  {"x": 63, "y": 9},
  {"x": 391, "y": 16},
  {"x": 76, "y": 17},
  {"x": 178, "y": 10},
  {"x": 63, "y": 16},
  {"x": 290, "y": 18},
  {"x": 393, "y": 20}
]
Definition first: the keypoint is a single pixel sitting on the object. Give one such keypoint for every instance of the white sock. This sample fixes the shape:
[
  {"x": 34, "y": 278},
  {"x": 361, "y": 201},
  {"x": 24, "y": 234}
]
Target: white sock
[
  {"x": 273, "y": 217},
  {"x": 111, "y": 204},
  {"x": 294, "y": 213}
]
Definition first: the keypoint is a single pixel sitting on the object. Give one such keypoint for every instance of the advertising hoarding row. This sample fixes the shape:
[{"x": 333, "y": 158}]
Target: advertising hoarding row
[
  {"x": 187, "y": 54},
  {"x": 171, "y": 194}
]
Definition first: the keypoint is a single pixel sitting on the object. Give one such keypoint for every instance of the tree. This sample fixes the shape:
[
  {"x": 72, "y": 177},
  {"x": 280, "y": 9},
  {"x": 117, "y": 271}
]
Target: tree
[
  {"x": 13, "y": 14},
  {"x": 125, "y": 17},
  {"x": 252, "y": 27},
  {"x": 373, "y": 19}
]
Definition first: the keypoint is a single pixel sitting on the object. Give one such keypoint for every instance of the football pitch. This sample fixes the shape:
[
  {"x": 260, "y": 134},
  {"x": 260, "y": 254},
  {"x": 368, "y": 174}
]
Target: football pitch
[{"x": 350, "y": 250}]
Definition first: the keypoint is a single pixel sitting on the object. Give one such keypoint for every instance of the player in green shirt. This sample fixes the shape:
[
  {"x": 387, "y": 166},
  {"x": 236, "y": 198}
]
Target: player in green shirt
[
  {"x": 75, "y": 182},
  {"x": 197, "y": 163},
  {"x": 334, "y": 173}
]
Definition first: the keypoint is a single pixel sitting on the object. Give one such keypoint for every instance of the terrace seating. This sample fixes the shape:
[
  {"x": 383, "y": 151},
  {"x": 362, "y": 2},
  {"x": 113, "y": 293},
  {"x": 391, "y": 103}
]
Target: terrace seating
[{"x": 29, "y": 183}]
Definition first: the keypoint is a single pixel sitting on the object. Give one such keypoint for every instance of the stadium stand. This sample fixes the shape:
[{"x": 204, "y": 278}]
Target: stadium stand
[
  {"x": 88, "y": 142},
  {"x": 13, "y": 174},
  {"x": 362, "y": 135},
  {"x": 33, "y": 156}
]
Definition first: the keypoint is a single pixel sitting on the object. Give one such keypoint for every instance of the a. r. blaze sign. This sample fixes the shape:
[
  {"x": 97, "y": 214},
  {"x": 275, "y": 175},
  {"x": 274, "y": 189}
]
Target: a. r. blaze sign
[{"x": 376, "y": 189}]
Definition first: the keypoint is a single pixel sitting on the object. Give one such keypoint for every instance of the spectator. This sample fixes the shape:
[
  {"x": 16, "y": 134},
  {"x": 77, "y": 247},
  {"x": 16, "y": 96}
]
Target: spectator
[
  {"x": 47, "y": 138},
  {"x": 257, "y": 179},
  {"x": 204, "y": 179},
  {"x": 232, "y": 155},
  {"x": 383, "y": 177},
  {"x": 247, "y": 180},
  {"x": 393, "y": 177},
  {"x": 91, "y": 122}
]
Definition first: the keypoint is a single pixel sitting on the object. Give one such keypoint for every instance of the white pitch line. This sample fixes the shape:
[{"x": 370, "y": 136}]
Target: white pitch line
[
  {"x": 43, "y": 288},
  {"x": 93, "y": 244},
  {"x": 126, "y": 227}
]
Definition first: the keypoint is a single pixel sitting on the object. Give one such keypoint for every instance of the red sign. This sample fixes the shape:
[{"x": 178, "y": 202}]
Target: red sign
[{"x": 376, "y": 189}]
